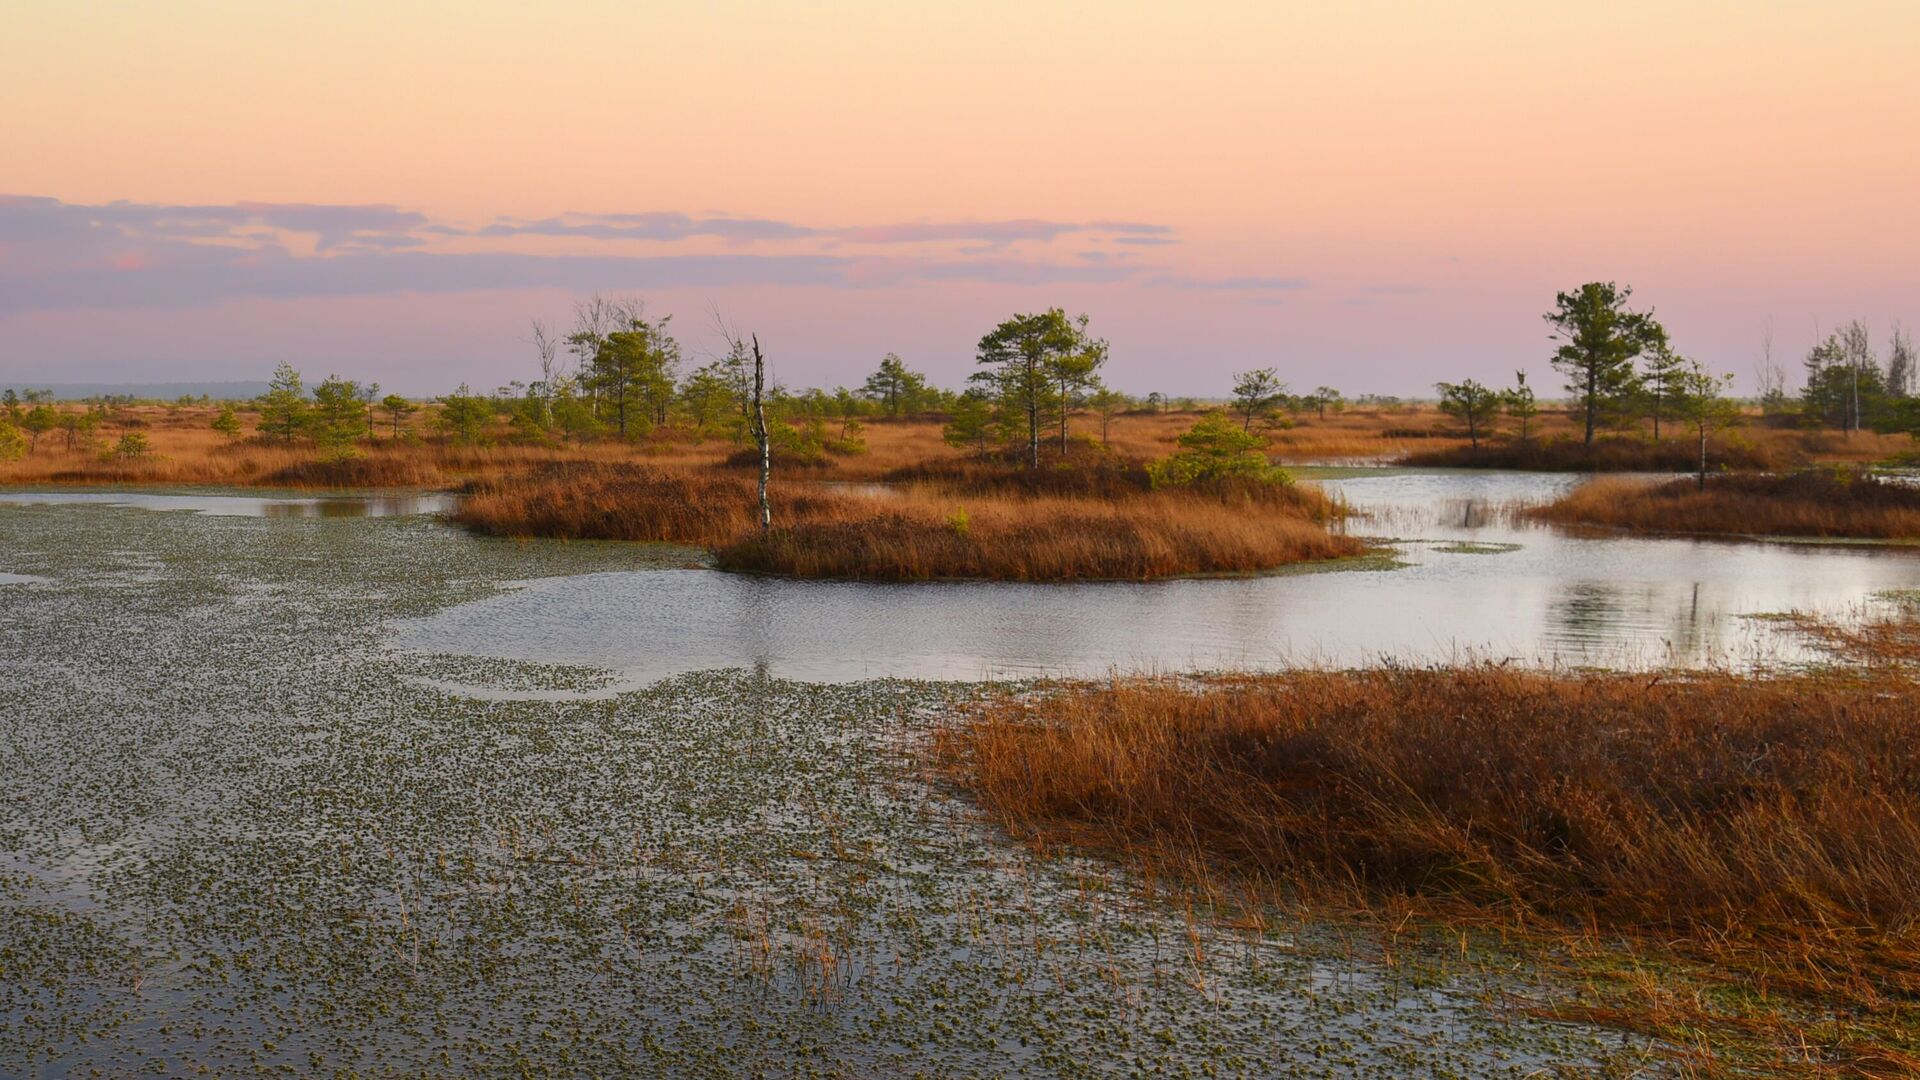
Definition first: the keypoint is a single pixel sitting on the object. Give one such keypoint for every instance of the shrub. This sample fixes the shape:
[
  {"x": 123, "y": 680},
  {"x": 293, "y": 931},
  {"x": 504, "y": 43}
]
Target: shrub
[
  {"x": 227, "y": 422},
  {"x": 1214, "y": 450},
  {"x": 132, "y": 446}
]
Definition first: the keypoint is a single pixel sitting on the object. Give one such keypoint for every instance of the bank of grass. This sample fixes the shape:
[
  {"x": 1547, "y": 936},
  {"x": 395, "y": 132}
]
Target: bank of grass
[
  {"x": 981, "y": 529},
  {"x": 1763, "y": 833},
  {"x": 1620, "y": 453},
  {"x": 1820, "y": 503}
]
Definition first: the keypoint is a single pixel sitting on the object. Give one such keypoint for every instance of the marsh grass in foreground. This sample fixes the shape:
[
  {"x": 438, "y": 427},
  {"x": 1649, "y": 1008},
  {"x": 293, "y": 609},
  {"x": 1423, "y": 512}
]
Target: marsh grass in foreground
[
  {"x": 1764, "y": 831},
  {"x": 1820, "y": 503}
]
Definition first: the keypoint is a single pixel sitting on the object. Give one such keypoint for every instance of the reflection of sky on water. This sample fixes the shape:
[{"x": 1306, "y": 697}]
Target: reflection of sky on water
[
  {"x": 331, "y": 506},
  {"x": 1603, "y": 600}
]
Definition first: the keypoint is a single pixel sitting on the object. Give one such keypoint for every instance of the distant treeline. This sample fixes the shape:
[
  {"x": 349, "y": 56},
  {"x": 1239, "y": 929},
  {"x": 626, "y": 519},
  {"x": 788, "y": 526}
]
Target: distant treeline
[
  {"x": 618, "y": 374},
  {"x": 162, "y": 393}
]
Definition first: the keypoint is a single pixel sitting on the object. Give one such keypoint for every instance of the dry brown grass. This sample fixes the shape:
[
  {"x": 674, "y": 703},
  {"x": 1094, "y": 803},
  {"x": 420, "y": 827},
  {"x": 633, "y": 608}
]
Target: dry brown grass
[
  {"x": 920, "y": 537},
  {"x": 1765, "y": 831},
  {"x": 648, "y": 503},
  {"x": 1616, "y": 453},
  {"x": 187, "y": 452},
  {"x": 1671, "y": 805},
  {"x": 1816, "y": 503},
  {"x": 916, "y": 532}
]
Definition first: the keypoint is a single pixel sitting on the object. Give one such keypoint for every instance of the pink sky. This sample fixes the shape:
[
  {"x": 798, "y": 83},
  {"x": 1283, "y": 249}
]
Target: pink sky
[{"x": 1371, "y": 195}]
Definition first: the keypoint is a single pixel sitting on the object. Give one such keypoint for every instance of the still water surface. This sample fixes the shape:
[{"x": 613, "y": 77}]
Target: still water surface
[
  {"x": 1475, "y": 581},
  {"x": 331, "y": 506},
  {"x": 1478, "y": 583}
]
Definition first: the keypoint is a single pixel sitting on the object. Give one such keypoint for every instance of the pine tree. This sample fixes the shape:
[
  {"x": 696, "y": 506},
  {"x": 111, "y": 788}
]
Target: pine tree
[
  {"x": 1600, "y": 338},
  {"x": 283, "y": 408}
]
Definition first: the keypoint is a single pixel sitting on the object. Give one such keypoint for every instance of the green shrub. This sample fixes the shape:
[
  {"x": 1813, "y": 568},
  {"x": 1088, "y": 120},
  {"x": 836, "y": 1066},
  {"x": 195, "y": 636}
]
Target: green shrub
[{"x": 1213, "y": 450}]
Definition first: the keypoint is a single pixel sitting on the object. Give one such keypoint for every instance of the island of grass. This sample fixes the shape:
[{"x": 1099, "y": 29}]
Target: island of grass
[
  {"x": 1818, "y": 503},
  {"x": 1214, "y": 507},
  {"x": 990, "y": 521}
]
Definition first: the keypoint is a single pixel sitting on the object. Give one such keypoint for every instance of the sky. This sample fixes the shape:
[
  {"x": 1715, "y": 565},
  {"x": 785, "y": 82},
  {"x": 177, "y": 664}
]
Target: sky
[{"x": 1369, "y": 195}]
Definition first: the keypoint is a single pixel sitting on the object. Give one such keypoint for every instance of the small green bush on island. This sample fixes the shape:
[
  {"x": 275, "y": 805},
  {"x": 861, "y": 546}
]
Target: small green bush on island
[{"x": 1214, "y": 450}]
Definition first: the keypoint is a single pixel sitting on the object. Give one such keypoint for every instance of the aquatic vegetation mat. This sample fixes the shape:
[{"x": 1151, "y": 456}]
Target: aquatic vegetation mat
[{"x": 242, "y": 834}]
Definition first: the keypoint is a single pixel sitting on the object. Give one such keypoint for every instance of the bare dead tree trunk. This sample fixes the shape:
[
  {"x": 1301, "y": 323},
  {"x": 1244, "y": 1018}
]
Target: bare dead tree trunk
[
  {"x": 760, "y": 438},
  {"x": 1702, "y": 486}
]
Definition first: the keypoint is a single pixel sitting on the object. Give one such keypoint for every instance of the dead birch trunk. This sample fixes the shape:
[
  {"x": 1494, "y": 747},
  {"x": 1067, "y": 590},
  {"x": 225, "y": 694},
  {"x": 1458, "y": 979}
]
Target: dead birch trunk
[{"x": 760, "y": 432}]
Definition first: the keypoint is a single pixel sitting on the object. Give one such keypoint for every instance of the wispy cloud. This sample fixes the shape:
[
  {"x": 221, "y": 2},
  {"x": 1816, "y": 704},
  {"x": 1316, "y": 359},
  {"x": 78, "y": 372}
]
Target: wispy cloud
[
  {"x": 61, "y": 256},
  {"x": 676, "y": 226},
  {"x": 653, "y": 226},
  {"x": 1228, "y": 284},
  {"x": 27, "y": 217}
]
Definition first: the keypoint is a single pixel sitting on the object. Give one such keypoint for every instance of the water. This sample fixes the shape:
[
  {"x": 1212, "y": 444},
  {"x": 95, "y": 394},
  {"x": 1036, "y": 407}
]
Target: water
[
  {"x": 241, "y": 834},
  {"x": 329, "y": 506},
  {"x": 1478, "y": 582}
]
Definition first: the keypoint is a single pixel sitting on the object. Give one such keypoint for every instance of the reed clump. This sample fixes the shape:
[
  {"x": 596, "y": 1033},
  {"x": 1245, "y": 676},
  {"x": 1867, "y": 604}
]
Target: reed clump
[
  {"x": 921, "y": 537},
  {"x": 382, "y": 469},
  {"x": 604, "y": 501},
  {"x": 1815, "y": 503}
]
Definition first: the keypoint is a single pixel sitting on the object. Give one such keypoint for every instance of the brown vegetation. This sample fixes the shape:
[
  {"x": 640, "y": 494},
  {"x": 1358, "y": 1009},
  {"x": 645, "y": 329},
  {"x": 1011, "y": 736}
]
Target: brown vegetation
[
  {"x": 376, "y": 470},
  {"x": 921, "y": 536},
  {"x": 1814, "y": 503},
  {"x": 599, "y": 501},
  {"x": 1767, "y": 826},
  {"x": 185, "y": 451},
  {"x": 1615, "y": 454},
  {"x": 913, "y": 532}
]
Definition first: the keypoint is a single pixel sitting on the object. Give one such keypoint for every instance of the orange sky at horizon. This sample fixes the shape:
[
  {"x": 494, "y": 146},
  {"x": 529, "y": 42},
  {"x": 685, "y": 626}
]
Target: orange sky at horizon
[{"x": 1411, "y": 181}]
